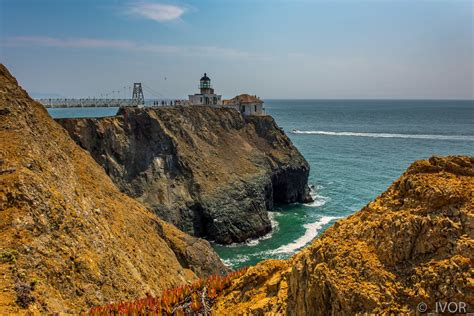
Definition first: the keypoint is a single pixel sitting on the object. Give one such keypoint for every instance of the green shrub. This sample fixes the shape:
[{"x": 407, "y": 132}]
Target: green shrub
[{"x": 8, "y": 256}]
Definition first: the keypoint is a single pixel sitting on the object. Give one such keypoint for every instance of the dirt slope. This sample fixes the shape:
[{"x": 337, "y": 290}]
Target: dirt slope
[{"x": 68, "y": 238}]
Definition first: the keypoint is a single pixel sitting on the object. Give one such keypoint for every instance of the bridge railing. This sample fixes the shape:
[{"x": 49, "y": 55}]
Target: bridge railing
[
  {"x": 69, "y": 103},
  {"x": 90, "y": 103}
]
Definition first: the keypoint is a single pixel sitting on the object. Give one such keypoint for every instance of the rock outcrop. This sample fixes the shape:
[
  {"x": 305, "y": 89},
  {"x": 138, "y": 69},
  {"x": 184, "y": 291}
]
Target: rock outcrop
[
  {"x": 69, "y": 239},
  {"x": 408, "y": 249},
  {"x": 209, "y": 171}
]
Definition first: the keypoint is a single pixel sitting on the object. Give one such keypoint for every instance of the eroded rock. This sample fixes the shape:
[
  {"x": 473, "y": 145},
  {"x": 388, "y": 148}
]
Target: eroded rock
[
  {"x": 69, "y": 239},
  {"x": 210, "y": 171},
  {"x": 412, "y": 244}
]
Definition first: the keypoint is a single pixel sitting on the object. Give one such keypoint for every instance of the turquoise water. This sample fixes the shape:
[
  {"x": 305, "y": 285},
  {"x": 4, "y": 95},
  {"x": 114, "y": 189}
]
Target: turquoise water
[
  {"x": 82, "y": 112},
  {"x": 356, "y": 149},
  {"x": 355, "y": 154}
]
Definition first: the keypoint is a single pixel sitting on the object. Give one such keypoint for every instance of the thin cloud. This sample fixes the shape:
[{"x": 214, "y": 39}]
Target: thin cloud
[
  {"x": 126, "y": 45},
  {"x": 156, "y": 11},
  {"x": 68, "y": 42}
]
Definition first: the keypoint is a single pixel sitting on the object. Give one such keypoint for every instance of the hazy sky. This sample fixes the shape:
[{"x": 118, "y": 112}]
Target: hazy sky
[{"x": 275, "y": 49}]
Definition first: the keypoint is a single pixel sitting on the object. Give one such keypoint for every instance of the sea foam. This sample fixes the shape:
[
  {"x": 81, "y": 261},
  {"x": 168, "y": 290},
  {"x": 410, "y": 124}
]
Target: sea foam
[
  {"x": 312, "y": 230},
  {"x": 318, "y": 200},
  {"x": 389, "y": 135},
  {"x": 232, "y": 262}
]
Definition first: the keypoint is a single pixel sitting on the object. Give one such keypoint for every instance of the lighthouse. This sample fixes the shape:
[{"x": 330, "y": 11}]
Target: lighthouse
[
  {"x": 205, "y": 85},
  {"x": 206, "y": 95}
]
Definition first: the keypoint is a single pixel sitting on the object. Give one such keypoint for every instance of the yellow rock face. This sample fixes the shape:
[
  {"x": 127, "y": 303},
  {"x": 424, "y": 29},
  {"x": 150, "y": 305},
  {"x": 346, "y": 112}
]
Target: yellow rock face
[
  {"x": 411, "y": 245},
  {"x": 68, "y": 238}
]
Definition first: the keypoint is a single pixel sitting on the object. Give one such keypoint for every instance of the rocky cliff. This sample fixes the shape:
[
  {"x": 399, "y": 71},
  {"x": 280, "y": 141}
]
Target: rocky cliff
[
  {"x": 69, "y": 239},
  {"x": 209, "y": 171},
  {"x": 408, "y": 249}
]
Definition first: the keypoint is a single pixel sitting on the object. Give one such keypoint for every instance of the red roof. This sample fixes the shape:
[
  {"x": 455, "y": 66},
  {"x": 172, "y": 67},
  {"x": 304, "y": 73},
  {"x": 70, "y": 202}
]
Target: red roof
[{"x": 244, "y": 99}]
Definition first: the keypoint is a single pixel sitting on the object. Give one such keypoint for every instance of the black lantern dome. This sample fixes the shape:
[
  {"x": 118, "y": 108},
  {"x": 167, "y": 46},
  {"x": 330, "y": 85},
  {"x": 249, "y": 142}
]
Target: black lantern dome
[
  {"x": 205, "y": 78},
  {"x": 205, "y": 85},
  {"x": 205, "y": 82}
]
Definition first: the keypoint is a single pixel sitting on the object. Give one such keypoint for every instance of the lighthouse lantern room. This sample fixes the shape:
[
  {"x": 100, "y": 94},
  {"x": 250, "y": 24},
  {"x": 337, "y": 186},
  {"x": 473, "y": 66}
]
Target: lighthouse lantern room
[{"x": 206, "y": 95}]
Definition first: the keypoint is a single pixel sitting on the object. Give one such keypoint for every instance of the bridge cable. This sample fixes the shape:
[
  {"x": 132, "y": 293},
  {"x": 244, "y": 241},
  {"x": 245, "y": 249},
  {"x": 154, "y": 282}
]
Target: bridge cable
[{"x": 154, "y": 92}]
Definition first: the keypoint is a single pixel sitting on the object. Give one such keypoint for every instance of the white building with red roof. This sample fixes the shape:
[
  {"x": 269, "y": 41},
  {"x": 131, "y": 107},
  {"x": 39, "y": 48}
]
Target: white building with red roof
[{"x": 246, "y": 104}]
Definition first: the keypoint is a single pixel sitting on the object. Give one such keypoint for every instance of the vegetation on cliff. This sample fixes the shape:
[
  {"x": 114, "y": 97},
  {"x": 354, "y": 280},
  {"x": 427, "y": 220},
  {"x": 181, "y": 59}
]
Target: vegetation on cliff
[
  {"x": 69, "y": 239},
  {"x": 412, "y": 245},
  {"x": 210, "y": 171},
  {"x": 190, "y": 299}
]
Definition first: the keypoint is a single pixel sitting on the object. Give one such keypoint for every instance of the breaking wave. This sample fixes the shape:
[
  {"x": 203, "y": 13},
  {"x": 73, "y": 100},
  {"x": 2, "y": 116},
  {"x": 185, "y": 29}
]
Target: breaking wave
[
  {"x": 388, "y": 135},
  {"x": 312, "y": 230},
  {"x": 233, "y": 262},
  {"x": 318, "y": 200}
]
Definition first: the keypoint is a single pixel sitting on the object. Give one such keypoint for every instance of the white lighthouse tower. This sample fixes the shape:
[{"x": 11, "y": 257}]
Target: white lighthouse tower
[{"x": 206, "y": 95}]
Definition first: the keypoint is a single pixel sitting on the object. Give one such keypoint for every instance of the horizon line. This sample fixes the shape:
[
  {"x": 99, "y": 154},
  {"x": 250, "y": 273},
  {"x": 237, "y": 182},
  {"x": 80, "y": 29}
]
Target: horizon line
[{"x": 373, "y": 99}]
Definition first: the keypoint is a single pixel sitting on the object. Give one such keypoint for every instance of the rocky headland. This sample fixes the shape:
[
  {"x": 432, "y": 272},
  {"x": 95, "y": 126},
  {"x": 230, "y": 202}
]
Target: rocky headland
[
  {"x": 69, "y": 239},
  {"x": 210, "y": 171},
  {"x": 412, "y": 245}
]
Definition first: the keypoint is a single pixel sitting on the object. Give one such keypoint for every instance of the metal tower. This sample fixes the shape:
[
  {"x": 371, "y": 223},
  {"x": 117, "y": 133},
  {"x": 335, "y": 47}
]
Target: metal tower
[{"x": 137, "y": 97}]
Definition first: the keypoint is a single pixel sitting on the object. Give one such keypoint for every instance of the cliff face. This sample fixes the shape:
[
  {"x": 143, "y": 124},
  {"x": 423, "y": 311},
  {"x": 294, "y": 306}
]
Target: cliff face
[
  {"x": 412, "y": 244},
  {"x": 69, "y": 239},
  {"x": 209, "y": 171}
]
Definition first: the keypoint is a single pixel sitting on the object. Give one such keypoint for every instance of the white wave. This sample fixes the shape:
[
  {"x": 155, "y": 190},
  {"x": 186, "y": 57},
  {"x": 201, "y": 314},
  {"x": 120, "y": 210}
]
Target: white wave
[
  {"x": 312, "y": 230},
  {"x": 318, "y": 200},
  {"x": 389, "y": 135},
  {"x": 231, "y": 262},
  {"x": 256, "y": 241}
]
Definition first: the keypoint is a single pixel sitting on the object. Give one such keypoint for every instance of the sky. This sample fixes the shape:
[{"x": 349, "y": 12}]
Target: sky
[{"x": 334, "y": 49}]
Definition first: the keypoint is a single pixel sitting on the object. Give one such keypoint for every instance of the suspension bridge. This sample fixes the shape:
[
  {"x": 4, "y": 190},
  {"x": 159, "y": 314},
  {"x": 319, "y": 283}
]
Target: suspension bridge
[{"x": 115, "y": 98}]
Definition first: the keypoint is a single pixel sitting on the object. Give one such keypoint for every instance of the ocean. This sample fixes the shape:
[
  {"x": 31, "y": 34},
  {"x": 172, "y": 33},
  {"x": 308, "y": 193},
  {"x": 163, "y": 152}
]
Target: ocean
[{"x": 356, "y": 149}]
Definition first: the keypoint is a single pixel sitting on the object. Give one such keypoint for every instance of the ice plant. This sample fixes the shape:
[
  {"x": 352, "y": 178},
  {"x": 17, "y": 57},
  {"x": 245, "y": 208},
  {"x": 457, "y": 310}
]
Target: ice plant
[{"x": 187, "y": 299}]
